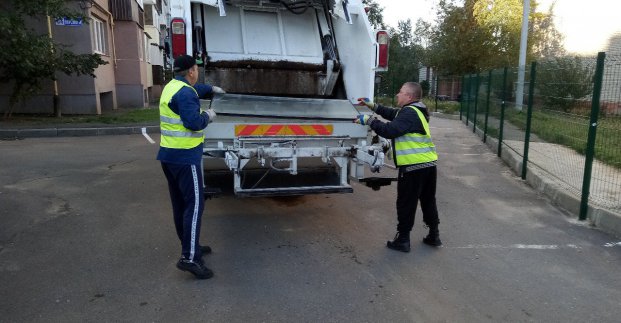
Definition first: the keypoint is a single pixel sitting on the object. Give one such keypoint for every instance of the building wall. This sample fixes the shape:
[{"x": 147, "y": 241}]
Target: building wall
[{"x": 131, "y": 71}]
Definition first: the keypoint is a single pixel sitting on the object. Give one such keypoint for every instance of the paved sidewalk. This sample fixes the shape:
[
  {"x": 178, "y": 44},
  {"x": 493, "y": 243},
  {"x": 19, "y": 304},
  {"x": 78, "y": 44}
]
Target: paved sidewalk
[{"x": 557, "y": 172}]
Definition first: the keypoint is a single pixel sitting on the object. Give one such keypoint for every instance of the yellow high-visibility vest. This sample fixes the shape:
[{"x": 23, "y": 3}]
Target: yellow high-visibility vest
[
  {"x": 415, "y": 148},
  {"x": 172, "y": 132}
]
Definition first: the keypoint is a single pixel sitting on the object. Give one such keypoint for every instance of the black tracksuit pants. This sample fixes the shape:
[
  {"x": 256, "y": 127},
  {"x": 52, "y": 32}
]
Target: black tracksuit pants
[
  {"x": 186, "y": 194},
  {"x": 419, "y": 184}
]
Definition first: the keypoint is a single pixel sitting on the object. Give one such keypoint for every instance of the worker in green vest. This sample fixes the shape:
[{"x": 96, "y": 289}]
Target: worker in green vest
[
  {"x": 416, "y": 158},
  {"x": 181, "y": 150}
]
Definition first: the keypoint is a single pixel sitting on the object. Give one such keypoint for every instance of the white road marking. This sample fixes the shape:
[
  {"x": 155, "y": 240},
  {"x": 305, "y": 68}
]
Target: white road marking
[
  {"x": 613, "y": 244},
  {"x": 144, "y": 133},
  {"x": 519, "y": 246}
]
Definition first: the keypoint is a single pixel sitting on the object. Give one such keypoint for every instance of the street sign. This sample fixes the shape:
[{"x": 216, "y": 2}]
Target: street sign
[{"x": 64, "y": 21}]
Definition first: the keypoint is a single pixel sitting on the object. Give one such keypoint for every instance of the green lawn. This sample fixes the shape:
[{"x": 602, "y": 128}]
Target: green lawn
[
  {"x": 119, "y": 116},
  {"x": 568, "y": 130}
]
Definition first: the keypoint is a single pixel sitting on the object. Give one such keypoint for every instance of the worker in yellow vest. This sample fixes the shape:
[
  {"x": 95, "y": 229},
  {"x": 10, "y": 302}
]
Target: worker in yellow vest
[
  {"x": 181, "y": 151},
  {"x": 415, "y": 156}
]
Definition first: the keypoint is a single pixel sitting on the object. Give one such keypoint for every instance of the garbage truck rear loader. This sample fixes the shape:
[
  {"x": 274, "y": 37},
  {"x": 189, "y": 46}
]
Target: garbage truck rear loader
[{"x": 293, "y": 71}]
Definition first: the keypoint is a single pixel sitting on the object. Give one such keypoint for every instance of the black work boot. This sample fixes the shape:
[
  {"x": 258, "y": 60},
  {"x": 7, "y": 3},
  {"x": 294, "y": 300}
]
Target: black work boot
[
  {"x": 195, "y": 267},
  {"x": 401, "y": 242},
  {"x": 433, "y": 238}
]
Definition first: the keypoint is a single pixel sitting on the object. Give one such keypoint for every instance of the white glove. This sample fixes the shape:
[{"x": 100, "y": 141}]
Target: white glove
[
  {"x": 216, "y": 89},
  {"x": 212, "y": 115}
]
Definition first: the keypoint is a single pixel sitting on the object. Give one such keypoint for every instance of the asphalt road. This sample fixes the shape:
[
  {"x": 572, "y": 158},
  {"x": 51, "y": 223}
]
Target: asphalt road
[{"x": 86, "y": 235}]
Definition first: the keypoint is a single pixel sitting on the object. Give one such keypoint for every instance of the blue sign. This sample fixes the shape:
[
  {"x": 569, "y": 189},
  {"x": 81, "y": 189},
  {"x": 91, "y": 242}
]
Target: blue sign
[{"x": 64, "y": 21}]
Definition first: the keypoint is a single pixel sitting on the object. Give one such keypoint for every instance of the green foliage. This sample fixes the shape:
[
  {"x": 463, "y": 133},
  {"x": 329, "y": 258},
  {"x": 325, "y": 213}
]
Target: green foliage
[
  {"x": 375, "y": 14},
  {"x": 484, "y": 34},
  {"x": 562, "y": 81},
  {"x": 447, "y": 107},
  {"x": 405, "y": 57},
  {"x": 29, "y": 58}
]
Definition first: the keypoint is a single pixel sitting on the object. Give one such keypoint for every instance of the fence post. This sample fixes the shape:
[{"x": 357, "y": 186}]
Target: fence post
[
  {"x": 590, "y": 149},
  {"x": 489, "y": 89},
  {"x": 437, "y": 83},
  {"x": 502, "y": 111},
  {"x": 529, "y": 116},
  {"x": 476, "y": 103},
  {"x": 463, "y": 97},
  {"x": 468, "y": 105}
]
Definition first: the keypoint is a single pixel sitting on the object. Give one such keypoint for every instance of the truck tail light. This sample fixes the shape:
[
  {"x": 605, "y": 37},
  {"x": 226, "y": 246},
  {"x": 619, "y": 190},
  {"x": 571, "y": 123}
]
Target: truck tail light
[
  {"x": 178, "y": 39},
  {"x": 383, "y": 41}
]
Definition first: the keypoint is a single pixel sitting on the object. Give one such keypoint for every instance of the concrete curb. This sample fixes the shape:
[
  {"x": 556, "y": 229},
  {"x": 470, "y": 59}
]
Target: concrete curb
[
  {"x": 603, "y": 219},
  {"x": 75, "y": 132}
]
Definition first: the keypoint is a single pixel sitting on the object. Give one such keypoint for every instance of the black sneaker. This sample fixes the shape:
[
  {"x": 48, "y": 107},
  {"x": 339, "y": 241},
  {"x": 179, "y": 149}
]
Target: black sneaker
[
  {"x": 197, "y": 268},
  {"x": 432, "y": 240},
  {"x": 399, "y": 243},
  {"x": 205, "y": 250}
]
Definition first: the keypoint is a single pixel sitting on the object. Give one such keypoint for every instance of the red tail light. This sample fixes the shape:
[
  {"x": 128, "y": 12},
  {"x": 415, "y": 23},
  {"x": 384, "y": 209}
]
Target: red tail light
[
  {"x": 383, "y": 41},
  {"x": 177, "y": 26}
]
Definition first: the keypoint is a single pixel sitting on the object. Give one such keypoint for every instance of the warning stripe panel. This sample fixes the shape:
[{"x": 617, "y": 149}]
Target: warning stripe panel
[{"x": 250, "y": 130}]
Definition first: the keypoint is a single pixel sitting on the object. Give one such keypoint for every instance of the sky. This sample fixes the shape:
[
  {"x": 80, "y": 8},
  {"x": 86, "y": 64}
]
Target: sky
[{"x": 587, "y": 25}]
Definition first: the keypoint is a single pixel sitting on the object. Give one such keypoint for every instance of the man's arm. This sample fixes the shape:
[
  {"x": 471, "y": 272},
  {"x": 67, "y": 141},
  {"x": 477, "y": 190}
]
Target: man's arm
[
  {"x": 203, "y": 90},
  {"x": 407, "y": 121},
  {"x": 189, "y": 110},
  {"x": 385, "y": 112}
]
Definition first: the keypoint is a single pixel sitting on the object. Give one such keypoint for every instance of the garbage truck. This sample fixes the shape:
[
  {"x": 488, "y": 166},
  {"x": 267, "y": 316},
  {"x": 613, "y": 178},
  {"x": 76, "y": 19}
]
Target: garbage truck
[{"x": 293, "y": 71}]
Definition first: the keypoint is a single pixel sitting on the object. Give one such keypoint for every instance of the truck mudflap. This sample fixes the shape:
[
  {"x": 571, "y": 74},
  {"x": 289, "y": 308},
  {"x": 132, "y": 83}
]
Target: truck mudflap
[{"x": 305, "y": 146}]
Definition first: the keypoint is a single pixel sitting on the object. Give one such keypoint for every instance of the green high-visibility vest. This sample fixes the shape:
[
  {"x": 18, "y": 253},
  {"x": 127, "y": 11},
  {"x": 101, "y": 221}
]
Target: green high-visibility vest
[
  {"x": 414, "y": 148},
  {"x": 172, "y": 132}
]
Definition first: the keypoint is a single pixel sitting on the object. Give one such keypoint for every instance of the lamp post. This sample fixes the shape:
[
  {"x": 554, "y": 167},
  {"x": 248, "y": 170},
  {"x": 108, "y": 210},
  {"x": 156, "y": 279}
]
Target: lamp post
[{"x": 519, "y": 95}]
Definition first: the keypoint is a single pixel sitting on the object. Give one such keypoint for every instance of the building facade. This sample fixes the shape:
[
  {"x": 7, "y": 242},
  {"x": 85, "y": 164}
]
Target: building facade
[{"x": 132, "y": 47}]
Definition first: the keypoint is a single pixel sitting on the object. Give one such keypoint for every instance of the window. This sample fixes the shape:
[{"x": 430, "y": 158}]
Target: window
[
  {"x": 148, "y": 15},
  {"x": 100, "y": 41}
]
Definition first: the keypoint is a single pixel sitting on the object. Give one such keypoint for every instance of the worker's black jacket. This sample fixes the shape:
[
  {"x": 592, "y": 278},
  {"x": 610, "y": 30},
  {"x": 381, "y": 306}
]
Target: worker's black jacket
[{"x": 406, "y": 121}]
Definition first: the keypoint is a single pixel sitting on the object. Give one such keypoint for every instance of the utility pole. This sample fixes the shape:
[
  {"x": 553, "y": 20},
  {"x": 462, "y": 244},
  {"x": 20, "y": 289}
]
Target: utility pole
[{"x": 519, "y": 95}]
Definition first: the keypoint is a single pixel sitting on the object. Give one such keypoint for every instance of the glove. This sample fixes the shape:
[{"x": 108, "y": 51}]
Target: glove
[
  {"x": 216, "y": 89},
  {"x": 368, "y": 103},
  {"x": 211, "y": 114},
  {"x": 364, "y": 119}
]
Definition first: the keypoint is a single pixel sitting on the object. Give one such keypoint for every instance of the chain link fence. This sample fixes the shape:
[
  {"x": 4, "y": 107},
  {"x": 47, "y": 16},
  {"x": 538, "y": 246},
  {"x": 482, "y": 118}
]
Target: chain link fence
[{"x": 564, "y": 118}]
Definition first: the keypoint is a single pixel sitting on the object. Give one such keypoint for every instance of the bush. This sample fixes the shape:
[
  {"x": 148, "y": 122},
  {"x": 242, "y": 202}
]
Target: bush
[{"x": 562, "y": 81}]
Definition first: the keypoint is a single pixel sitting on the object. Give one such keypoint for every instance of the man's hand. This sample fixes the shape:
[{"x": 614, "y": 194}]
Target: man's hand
[
  {"x": 364, "y": 119},
  {"x": 211, "y": 114},
  {"x": 216, "y": 89},
  {"x": 368, "y": 103}
]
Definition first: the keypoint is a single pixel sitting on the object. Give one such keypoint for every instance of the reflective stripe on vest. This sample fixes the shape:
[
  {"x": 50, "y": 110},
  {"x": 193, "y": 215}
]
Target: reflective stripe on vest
[
  {"x": 172, "y": 132},
  {"x": 415, "y": 148}
]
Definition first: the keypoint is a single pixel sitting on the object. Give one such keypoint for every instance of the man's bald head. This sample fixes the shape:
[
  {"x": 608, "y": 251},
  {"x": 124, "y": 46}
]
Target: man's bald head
[{"x": 414, "y": 89}]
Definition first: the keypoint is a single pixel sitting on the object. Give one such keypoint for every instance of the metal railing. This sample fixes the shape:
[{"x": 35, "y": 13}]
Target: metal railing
[{"x": 569, "y": 125}]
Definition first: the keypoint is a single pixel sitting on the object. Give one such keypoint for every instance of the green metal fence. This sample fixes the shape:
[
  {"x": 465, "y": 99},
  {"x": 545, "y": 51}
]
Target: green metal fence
[{"x": 568, "y": 123}]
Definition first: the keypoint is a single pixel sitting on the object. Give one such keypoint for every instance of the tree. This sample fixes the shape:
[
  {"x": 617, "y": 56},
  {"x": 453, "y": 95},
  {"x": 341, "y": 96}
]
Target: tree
[
  {"x": 562, "y": 81},
  {"x": 485, "y": 34},
  {"x": 29, "y": 58},
  {"x": 548, "y": 40},
  {"x": 375, "y": 14},
  {"x": 405, "y": 58}
]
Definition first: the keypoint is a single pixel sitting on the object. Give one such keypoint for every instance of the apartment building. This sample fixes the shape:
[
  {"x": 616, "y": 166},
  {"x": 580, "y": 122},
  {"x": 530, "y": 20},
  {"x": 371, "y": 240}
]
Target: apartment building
[{"x": 133, "y": 48}]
